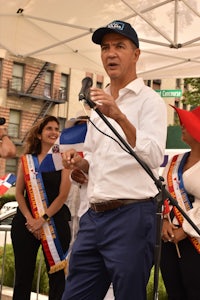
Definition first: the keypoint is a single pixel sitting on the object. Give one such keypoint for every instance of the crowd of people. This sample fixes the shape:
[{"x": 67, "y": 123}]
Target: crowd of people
[{"x": 113, "y": 199}]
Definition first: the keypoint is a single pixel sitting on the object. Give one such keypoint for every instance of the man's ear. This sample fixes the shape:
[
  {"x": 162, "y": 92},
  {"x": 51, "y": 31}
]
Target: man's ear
[{"x": 137, "y": 54}]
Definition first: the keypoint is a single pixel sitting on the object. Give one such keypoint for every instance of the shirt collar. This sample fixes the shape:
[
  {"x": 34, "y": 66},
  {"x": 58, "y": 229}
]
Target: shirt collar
[{"x": 135, "y": 86}]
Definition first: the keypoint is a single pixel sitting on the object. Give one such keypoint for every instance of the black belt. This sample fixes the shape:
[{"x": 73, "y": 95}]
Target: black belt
[{"x": 113, "y": 204}]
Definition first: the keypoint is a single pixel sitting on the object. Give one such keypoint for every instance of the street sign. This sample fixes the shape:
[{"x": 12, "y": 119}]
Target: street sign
[{"x": 170, "y": 93}]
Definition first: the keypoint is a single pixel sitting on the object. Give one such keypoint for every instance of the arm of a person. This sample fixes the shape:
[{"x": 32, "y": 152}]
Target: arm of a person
[
  {"x": 7, "y": 147},
  {"x": 19, "y": 193},
  {"x": 107, "y": 105},
  {"x": 55, "y": 206},
  {"x": 149, "y": 138},
  {"x": 128, "y": 128},
  {"x": 63, "y": 194}
]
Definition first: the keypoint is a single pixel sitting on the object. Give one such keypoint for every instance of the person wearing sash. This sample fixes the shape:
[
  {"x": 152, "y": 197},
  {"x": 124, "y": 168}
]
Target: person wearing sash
[
  {"x": 180, "y": 256},
  {"x": 42, "y": 216}
]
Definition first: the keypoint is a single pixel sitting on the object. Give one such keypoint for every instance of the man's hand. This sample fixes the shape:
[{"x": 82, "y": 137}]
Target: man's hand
[
  {"x": 106, "y": 103},
  {"x": 78, "y": 176},
  {"x": 73, "y": 160}
]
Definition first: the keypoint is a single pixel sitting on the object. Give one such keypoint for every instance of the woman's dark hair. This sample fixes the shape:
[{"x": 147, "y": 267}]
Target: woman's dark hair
[{"x": 33, "y": 143}]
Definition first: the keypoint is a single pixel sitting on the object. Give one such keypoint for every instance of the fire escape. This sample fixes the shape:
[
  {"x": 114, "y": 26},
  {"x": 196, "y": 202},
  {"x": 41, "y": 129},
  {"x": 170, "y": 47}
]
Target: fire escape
[{"x": 48, "y": 102}]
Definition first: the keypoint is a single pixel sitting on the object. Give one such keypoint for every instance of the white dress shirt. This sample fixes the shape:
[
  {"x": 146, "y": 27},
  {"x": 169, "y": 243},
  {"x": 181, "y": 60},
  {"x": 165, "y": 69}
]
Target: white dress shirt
[{"x": 114, "y": 173}]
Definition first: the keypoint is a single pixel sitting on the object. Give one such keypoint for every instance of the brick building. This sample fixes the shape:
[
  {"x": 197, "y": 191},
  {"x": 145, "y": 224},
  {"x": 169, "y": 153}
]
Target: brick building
[{"x": 29, "y": 90}]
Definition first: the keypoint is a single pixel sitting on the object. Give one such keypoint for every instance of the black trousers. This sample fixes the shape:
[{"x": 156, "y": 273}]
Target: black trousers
[
  {"x": 26, "y": 247},
  {"x": 181, "y": 275}
]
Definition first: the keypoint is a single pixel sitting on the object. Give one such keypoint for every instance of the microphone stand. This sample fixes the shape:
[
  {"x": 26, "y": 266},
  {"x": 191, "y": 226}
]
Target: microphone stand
[{"x": 162, "y": 195}]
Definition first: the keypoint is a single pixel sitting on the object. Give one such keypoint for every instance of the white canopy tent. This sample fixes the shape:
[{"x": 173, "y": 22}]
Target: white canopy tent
[{"x": 60, "y": 31}]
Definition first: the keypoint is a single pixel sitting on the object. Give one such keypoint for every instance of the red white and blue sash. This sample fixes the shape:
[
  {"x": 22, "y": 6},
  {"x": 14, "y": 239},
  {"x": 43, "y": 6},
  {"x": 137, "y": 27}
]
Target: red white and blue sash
[
  {"x": 178, "y": 192},
  {"x": 39, "y": 202}
]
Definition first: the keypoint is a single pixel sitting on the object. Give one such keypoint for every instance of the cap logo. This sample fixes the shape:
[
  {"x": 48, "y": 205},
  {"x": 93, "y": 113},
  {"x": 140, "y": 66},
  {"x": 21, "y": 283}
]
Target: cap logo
[{"x": 116, "y": 25}]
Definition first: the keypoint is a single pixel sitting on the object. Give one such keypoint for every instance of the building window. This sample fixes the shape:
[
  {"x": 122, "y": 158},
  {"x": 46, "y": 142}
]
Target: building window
[
  {"x": 177, "y": 102},
  {"x": 14, "y": 123},
  {"x": 99, "y": 85},
  {"x": 148, "y": 82},
  {"x": 156, "y": 84},
  {"x": 63, "y": 87},
  {"x": 178, "y": 83},
  {"x": 62, "y": 123},
  {"x": 48, "y": 84},
  {"x": 17, "y": 77},
  {"x": 11, "y": 165},
  {"x": 185, "y": 106}
]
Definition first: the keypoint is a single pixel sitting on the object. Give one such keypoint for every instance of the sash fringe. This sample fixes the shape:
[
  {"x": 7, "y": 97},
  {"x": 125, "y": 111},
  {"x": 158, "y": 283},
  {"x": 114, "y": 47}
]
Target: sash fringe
[{"x": 59, "y": 266}]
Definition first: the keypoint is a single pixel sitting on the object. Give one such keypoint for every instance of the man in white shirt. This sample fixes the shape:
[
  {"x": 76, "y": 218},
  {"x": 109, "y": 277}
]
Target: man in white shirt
[{"x": 115, "y": 242}]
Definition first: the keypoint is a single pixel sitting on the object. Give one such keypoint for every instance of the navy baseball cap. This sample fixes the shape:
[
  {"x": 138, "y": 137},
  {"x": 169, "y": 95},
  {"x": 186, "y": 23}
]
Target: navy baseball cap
[{"x": 120, "y": 27}]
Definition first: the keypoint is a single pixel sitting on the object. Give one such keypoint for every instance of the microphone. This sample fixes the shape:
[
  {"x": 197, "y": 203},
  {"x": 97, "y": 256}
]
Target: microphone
[
  {"x": 84, "y": 92},
  {"x": 2, "y": 121}
]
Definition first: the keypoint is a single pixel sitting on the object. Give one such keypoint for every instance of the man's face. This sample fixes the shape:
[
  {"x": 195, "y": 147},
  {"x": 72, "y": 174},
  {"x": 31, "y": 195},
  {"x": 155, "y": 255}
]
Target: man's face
[{"x": 119, "y": 56}]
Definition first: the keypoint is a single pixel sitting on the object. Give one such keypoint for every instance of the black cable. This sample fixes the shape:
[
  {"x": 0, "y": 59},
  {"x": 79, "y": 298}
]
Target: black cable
[{"x": 109, "y": 136}]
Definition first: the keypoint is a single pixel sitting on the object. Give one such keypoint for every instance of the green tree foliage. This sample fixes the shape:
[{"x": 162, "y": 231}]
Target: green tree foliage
[{"x": 192, "y": 94}]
